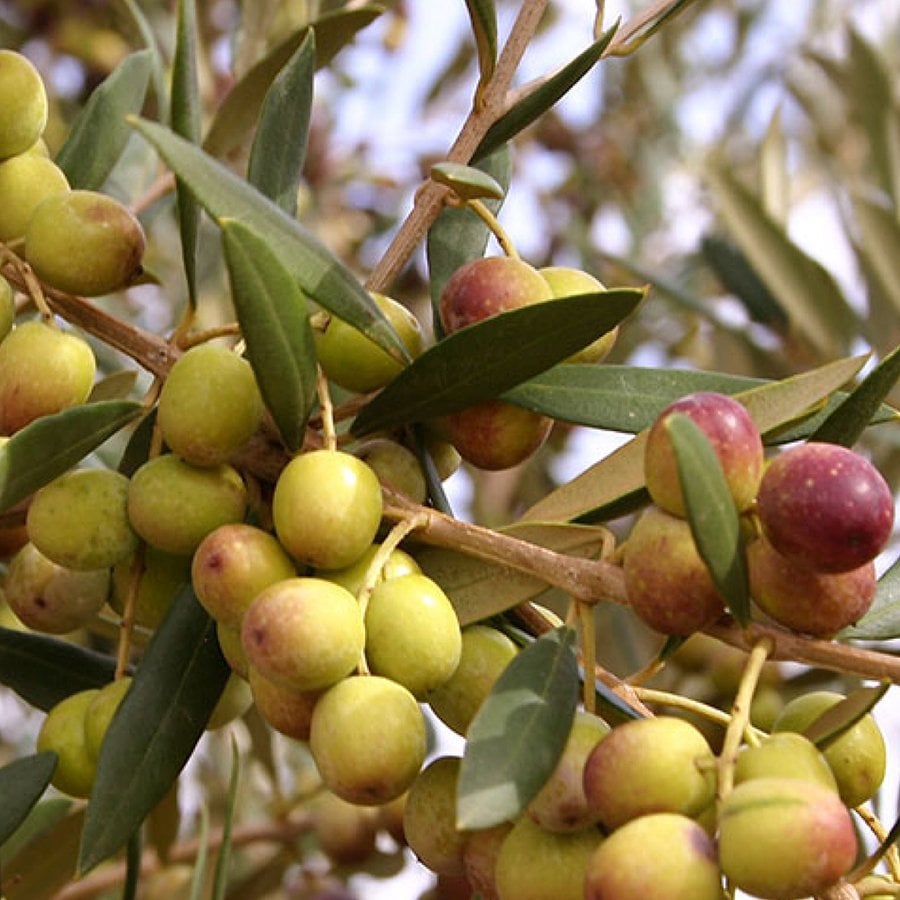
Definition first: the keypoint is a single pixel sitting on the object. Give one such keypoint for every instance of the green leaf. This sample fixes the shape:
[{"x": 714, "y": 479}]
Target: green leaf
[
  {"x": 803, "y": 287},
  {"x": 199, "y": 876},
  {"x": 879, "y": 243},
  {"x": 279, "y": 148},
  {"x": 220, "y": 879},
  {"x": 42, "y": 817},
  {"x": 272, "y": 314},
  {"x": 319, "y": 274},
  {"x": 518, "y": 734},
  {"x": 882, "y": 621},
  {"x": 458, "y": 234},
  {"x": 238, "y": 112},
  {"x": 53, "y": 444},
  {"x": 43, "y": 670},
  {"x": 155, "y": 729},
  {"x": 775, "y": 190},
  {"x": 21, "y": 784},
  {"x": 484, "y": 28},
  {"x": 486, "y": 359},
  {"x": 711, "y": 513},
  {"x": 132, "y": 867},
  {"x": 544, "y": 97},
  {"x": 186, "y": 114},
  {"x": 100, "y": 132},
  {"x": 467, "y": 182},
  {"x": 837, "y": 719},
  {"x": 846, "y": 423},
  {"x": 148, "y": 38}
]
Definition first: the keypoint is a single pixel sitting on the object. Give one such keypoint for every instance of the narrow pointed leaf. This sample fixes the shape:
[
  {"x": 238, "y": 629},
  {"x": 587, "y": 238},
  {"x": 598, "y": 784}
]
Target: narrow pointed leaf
[
  {"x": 832, "y": 723},
  {"x": 850, "y": 419},
  {"x": 803, "y": 287},
  {"x": 518, "y": 734},
  {"x": 42, "y": 817},
  {"x": 100, "y": 132},
  {"x": 186, "y": 122},
  {"x": 156, "y": 728},
  {"x": 458, "y": 234},
  {"x": 198, "y": 878},
  {"x": 53, "y": 444},
  {"x": 132, "y": 867},
  {"x": 879, "y": 232},
  {"x": 547, "y": 95},
  {"x": 239, "y": 111},
  {"x": 279, "y": 148},
  {"x": 21, "y": 784},
  {"x": 774, "y": 181},
  {"x": 711, "y": 513},
  {"x": 486, "y": 359},
  {"x": 273, "y": 317},
  {"x": 225, "y": 196},
  {"x": 882, "y": 621},
  {"x": 43, "y": 670},
  {"x": 484, "y": 28},
  {"x": 467, "y": 182},
  {"x": 220, "y": 878},
  {"x": 148, "y": 38}
]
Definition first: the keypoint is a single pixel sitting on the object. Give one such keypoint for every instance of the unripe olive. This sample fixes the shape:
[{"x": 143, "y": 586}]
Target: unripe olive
[
  {"x": 412, "y": 633},
  {"x": 100, "y": 713},
  {"x": 80, "y": 520},
  {"x": 326, "y": 508},
  {"x": 162, "y": 576},
  {"x": 286, "y": 709},
  {"x": 480, "y": 858},
  {"x": 173, "y": 505},
  {"x": 357, "y": 363},
  {"x": 25, "y": 181},
  {"x": 396, "y": 467},
  {"x": 229, "y": 639},
  {"x": 784, "y": 754},
  {"x": 84, "y": 242},
  {"x": 23, "y": 103},
  {"x": 63, "y": 733},
  {"x": 7, "y": 307},
  {"x": 368, "y": 739},
  {"x": 50, "y": 598},
  {"x": 235, "y": 700},
  {"x": 352, "y": 577},
  {"x": 210, "y": 405},
  {"x": 345, "y": 831},
  {"x": 42, "y": 371}
]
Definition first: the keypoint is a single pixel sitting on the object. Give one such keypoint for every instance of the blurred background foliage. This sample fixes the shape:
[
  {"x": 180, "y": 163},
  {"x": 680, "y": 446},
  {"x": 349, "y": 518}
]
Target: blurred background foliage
[{"x": 745, "y": 162}]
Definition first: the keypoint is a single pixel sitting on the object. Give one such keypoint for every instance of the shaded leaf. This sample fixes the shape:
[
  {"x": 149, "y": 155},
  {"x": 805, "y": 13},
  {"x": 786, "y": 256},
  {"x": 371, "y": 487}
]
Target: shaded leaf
[
  {"x": 775, "y": 188},
  {"x": 132, "y": 867},
  {"x": 837, "y": 719},
  {"x": 458, "y": 234},
  {"x": 279, "y": 148},
  {"x": 22, "y": 782},
  {"x": 199, "y": 875},
  {"x": 486, "y": 359},
  {"x": 43, "y": 816},
  {"x": 484, "y": 28},
  {"x": 99, "y": 134},
  {"x": 519, "y": 732},
  {"x": 273, "y": 317},
  {"x": 43, "y": 670},
  {"x": 711, "y": 513},
  {"x": 882, "y": 621},
  {"x": 542, "y": 98},
  {"x": 239, "y": 111},
  {"x": 185, "y": 120},
  {"x": 220, "y": 879},
  {"x": 148, "y": 38},
  {"x": 155, "y": 729},
  {"x": 311, "y": 265},
  {"x": 804, "y": 288},
  {"x": 53, "y": 444},
  {"x": 467, "y": 182},
  {"x": 879, "y": 242}
]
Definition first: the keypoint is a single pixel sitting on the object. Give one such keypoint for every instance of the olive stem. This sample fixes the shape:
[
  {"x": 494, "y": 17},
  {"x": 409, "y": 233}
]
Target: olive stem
[
  {"x": 492, "y": 222},
  {"x": 889, "y": 854},
  {"x": 126, "y": 624},
  {"x": 326, "y": 411},
  {"x": 588, "y": 651}
]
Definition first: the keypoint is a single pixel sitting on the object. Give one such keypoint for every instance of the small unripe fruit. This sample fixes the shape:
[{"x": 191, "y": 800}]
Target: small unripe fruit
[
  {"x": 162, "y": 576},
  {"x": 210, "y": 405},
  {"x": 484, "y": 654},
  {"x": 412, "y": 633},
  {"x": 235, "y": 700},
  {"x": 232, "y": 565},
  {"x": 50, "y": 598},
  {"x": 173, "y": 505},
  {"x": 326, "y": 508},
  {"x": 784, "y": 754},
  {"x": 25, "y": 181},
  {"x": 357, "y": 363},
  {"x": 368, "y": 739},
  {"x": 7, "y": 307},
  {"x": 668, "y": 584},
  {"x": 63, "y": 734},
  {"x": 287, "y": 710},
  {"x": 627, "y": 775},
  {"x": 345, "y": 832},
  {"x": 42, "y": 371},
  {"x": 396, "y": 467},
  {"x": 23, "y": 103},
  {"x": 785, "y": 838},
  {"x": 429, "y": 817},
  {"x": 230, "y": 644},
  {"x": 825, "y": 507},
  {"x": 857, "y": 758},
  {"x": 305, "y": 633},
  {"x": 535, "y": 864},
  {"x": 80, "y": 520},
  {"x": 803, "y": 599},
  {"x": 352, "y": 577},
  {"x": 100, "y": 713},
  {"x": 658, "y": 855},
  {"x": 734, "y": 438},
  {"x": 84, "y": 242},
  {"x": 480, "y": 858}
]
